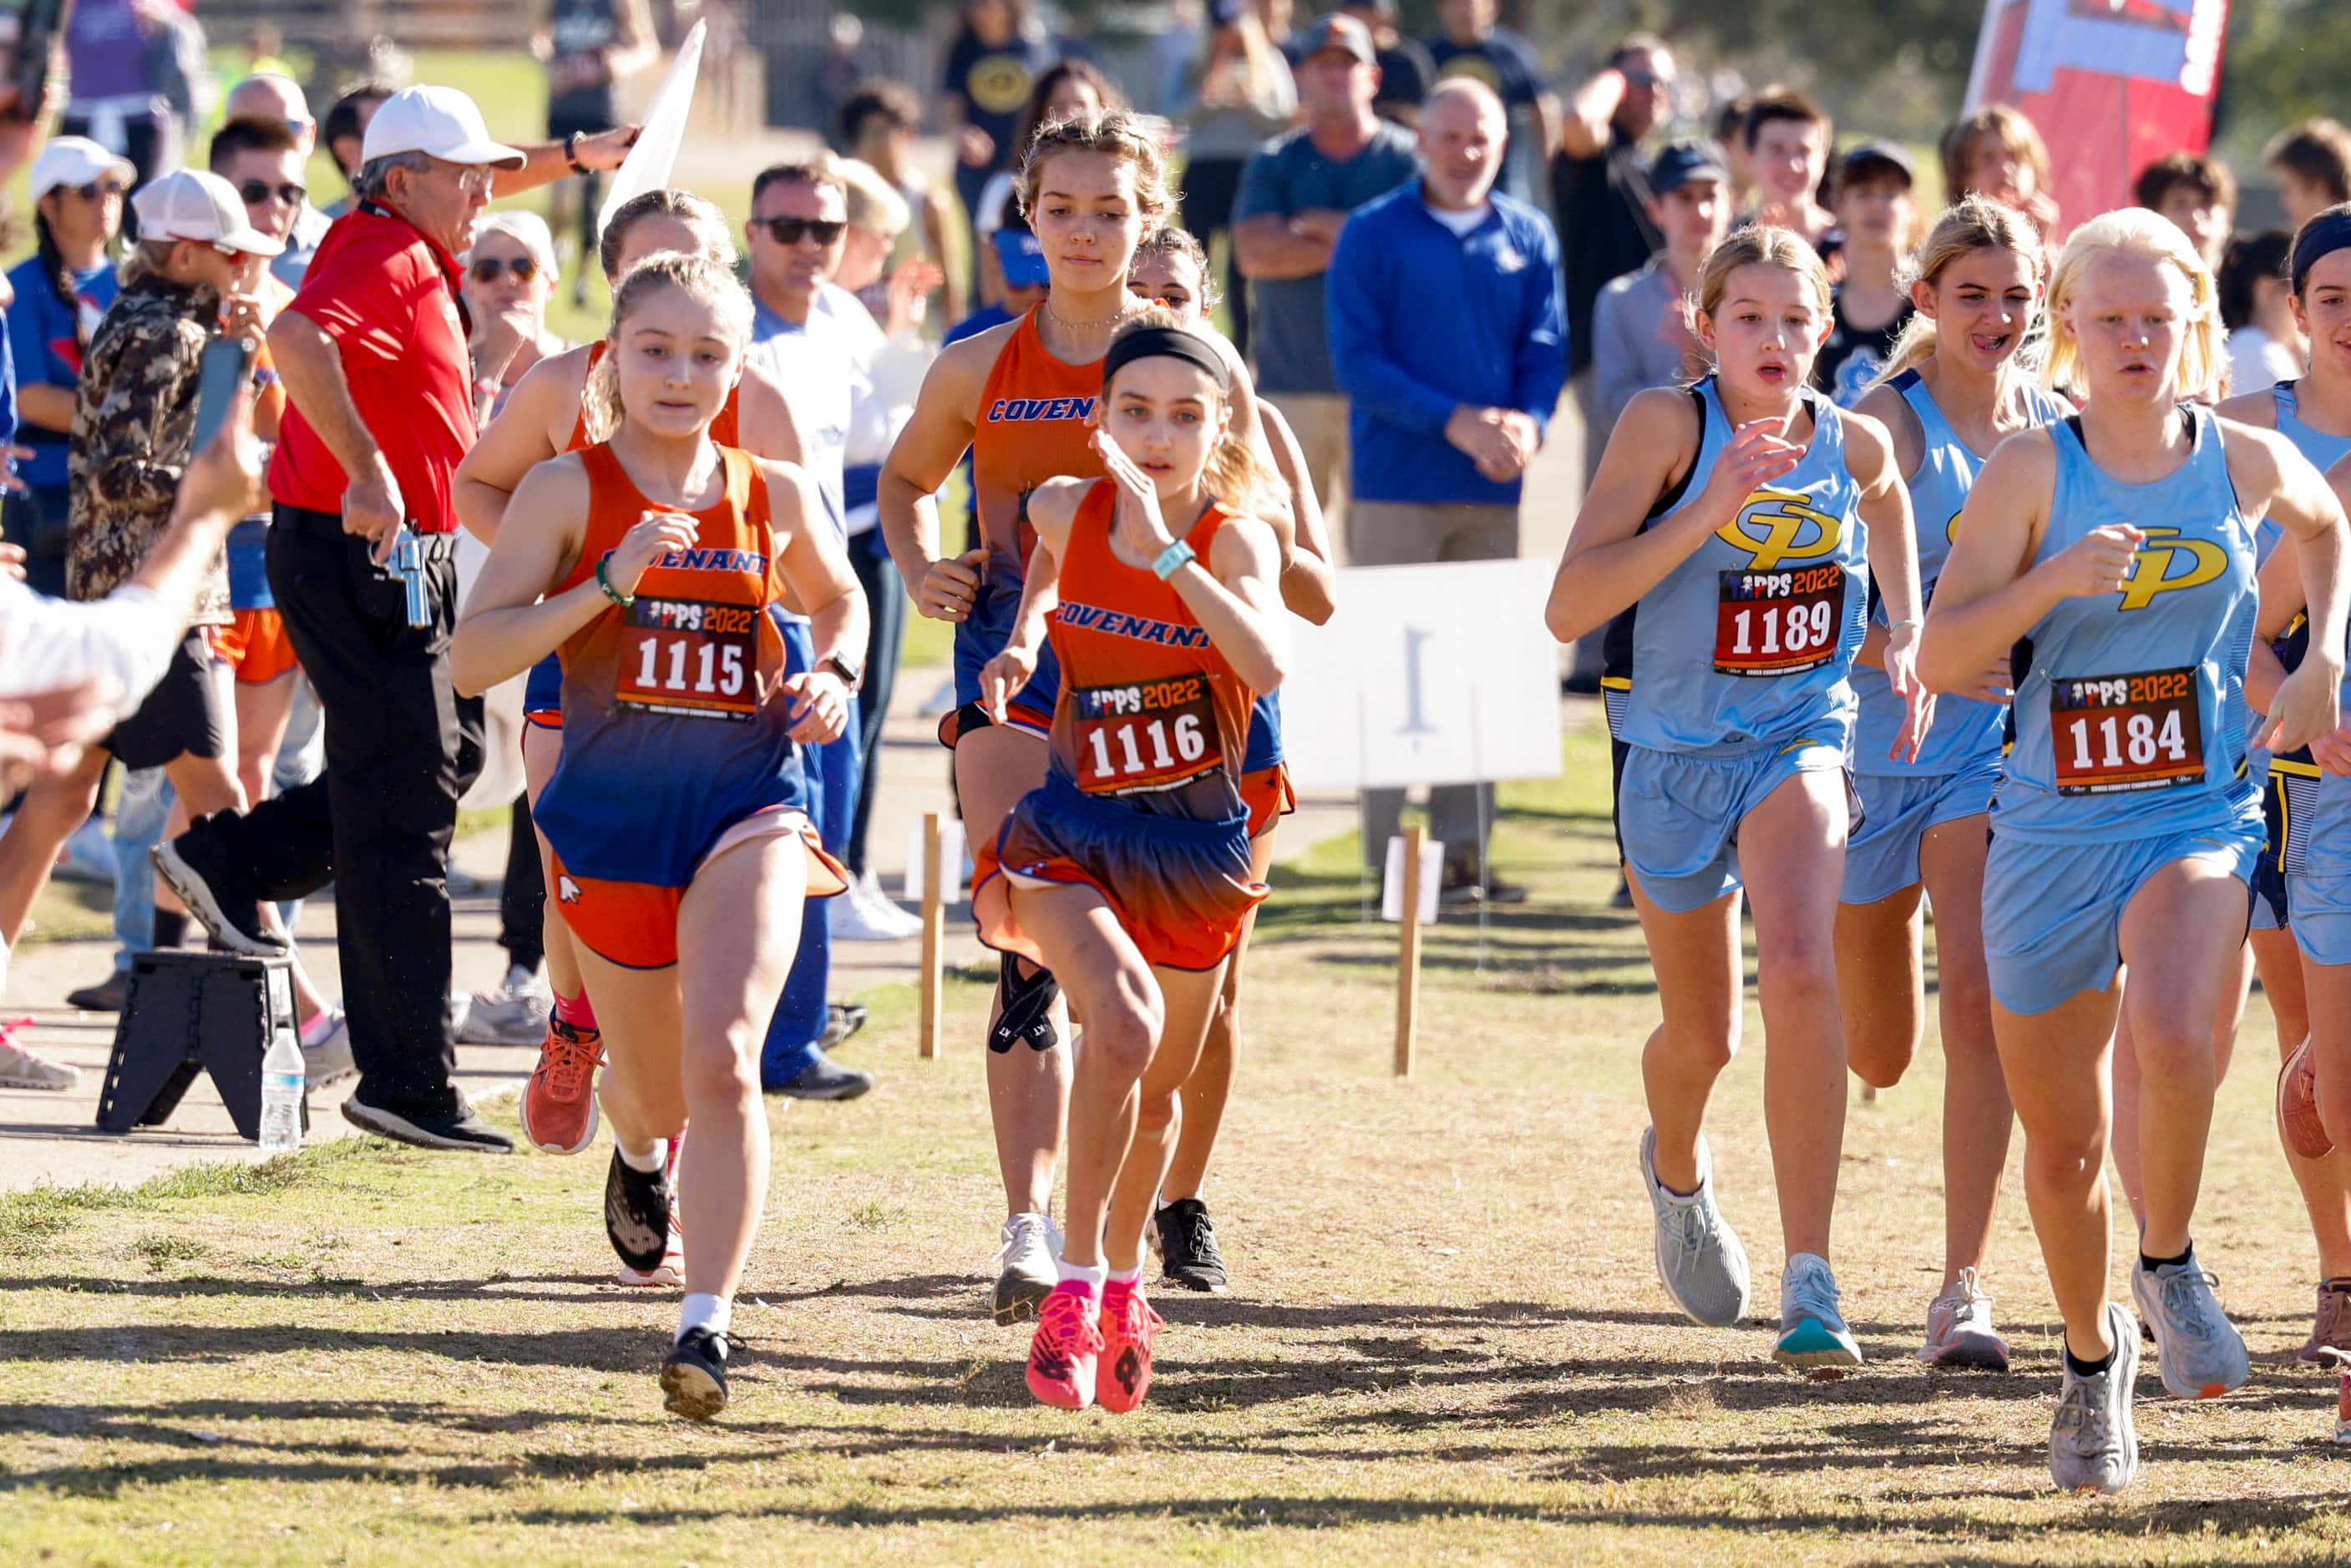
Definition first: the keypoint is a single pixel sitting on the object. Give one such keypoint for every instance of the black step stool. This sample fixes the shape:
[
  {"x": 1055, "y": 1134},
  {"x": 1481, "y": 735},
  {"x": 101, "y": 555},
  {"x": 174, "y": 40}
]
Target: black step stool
[{"x": 186, "y": 1011}]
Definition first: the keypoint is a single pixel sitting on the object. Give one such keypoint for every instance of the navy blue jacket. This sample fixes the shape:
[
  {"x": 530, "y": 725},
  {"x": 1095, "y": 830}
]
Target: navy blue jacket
[{"x": 1422, "y": 322}]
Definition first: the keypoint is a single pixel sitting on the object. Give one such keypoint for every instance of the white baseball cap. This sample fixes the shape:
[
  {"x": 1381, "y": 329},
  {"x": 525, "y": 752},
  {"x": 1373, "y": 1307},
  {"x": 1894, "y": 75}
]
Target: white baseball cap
[
  {"x": 194, "y": 204},
  {"x": 75, "y": 161},
  {"x": 438, "y": 121}
]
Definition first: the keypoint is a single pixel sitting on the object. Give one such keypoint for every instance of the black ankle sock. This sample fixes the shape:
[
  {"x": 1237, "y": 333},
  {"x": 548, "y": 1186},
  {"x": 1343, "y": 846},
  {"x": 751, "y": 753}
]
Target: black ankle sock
[
  {"x": 2339, "y": 1282},
  {"x": 2151, "y": 1264},
  {"x": 2082, "y": 1368},
  {"x": 171, "y": 930}
]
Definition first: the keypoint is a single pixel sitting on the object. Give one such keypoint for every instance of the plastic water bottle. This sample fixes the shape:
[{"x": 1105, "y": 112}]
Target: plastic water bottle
[{"x": 281, "y": 1095}]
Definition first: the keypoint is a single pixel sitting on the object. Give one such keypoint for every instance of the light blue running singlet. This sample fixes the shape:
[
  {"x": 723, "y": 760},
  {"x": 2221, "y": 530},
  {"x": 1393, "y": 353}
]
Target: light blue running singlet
[
  {"x": 2130, "y": 706},
  {"x": 1751, "y": 638}
]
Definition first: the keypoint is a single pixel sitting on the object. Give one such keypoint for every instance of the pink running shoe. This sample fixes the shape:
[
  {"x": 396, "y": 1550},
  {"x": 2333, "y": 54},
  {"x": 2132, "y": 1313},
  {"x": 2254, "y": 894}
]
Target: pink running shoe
[
  {"x": 1066, "y": 1349},
  {"x": 1128, "y": 1327}
]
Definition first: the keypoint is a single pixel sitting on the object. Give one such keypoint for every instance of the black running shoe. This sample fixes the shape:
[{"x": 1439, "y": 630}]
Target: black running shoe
[
  {"x": 199, "y": 872},
  {"x": 462, "y": 1128},
  {"x": 636, "y": 1214},
  {"x": 693, "y": 1378},
  {"x": 1187, "y": 1246}
]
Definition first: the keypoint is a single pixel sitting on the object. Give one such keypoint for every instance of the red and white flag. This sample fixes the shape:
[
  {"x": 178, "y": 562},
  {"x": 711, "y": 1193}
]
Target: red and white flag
[{"x": 2111, "y": 85}]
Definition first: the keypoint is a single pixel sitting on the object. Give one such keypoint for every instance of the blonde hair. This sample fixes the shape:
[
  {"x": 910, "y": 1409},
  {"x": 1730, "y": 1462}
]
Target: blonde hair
[
  {"x": 1974, "y": 223},
  {"x": 2016, "y": 133},
  {"x": 697, "y": 213},
  {"x": 1234, "y": 472},
  {"x": 1114, "y": 132},
  {"x": 695, "y": 276},
  {"x": 1761, "y": 244},
  {"x": 2134, "y": 231},
  {"x": 872, "y": 202}
]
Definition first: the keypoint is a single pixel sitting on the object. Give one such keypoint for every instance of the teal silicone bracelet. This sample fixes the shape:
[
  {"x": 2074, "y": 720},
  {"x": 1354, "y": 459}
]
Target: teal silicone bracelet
[
  {"x": 1171, "y": 560},
  {"x": 611, "y": 593}
]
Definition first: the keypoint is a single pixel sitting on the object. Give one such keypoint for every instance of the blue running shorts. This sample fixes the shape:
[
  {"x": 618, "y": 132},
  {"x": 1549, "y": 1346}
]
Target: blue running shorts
[
  {"x": 2053, "y": 913},
  {"x": 1677, "y": 814},
  {"x": 2318, "y": 870},
  {"x": 1881, "y": 858}
]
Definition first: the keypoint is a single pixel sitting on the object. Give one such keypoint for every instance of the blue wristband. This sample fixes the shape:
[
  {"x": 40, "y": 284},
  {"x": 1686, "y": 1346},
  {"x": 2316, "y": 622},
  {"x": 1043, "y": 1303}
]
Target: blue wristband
[{"x": 1171, "y": 560}]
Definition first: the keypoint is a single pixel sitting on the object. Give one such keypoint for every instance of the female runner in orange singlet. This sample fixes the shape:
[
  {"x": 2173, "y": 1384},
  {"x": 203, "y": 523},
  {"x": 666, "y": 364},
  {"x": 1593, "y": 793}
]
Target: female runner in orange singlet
[
  {"x": 546, "y": 414},
  {"x": 1017, "y": 398},
  {"x": 683, "y": 854},
  {"x": 1128, "y": 871}
]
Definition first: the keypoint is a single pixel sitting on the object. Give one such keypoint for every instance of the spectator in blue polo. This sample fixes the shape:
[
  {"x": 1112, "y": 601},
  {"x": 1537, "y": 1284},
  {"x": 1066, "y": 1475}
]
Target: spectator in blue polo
[{"x": 1449, "y": 335}]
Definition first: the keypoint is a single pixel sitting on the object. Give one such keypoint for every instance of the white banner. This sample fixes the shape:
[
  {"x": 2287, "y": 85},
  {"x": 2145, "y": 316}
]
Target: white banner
[
  {"x": 1426, "y": 675},
  {"x": 654, "y": 160}
]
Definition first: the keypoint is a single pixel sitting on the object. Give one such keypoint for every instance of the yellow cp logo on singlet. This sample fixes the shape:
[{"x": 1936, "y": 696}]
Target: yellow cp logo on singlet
[
  {"x": 2151, "y": 568},
  {"x": 1778, "y": 525}
]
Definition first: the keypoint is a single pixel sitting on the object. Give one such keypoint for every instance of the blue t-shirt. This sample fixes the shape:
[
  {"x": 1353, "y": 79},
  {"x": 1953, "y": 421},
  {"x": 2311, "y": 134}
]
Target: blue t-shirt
[
  {"x": 1287, "y": 176},
  {"x": 993, "y": 80},
  {"x": 1507, "y": 63},
  {"x": 42, "y": 339}
]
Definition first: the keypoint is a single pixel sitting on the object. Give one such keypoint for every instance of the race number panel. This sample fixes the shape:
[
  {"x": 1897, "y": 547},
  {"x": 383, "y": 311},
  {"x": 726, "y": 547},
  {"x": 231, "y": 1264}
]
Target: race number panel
[
  {"x": 1779, "y": 623},
  {"x": 1146, "y": 735},
  {"x": 2119, "y": 732},
  {"x": 689, "y": 657}
]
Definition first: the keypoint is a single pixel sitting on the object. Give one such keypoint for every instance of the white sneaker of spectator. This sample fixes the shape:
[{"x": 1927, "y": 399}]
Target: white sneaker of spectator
[
  {"x": 866, "y": 914},
  {"x": 88, "y": 857},
  {"x": 514, "y": 1014},
  {"x": 22, "y": 1068}
]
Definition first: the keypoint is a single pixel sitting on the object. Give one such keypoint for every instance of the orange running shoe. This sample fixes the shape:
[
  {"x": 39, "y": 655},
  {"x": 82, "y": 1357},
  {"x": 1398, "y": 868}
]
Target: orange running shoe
[
  {"x": 558, "y": 1106},
  {"x": 2297, "y": 1107},
  {"x": 1128, "y": 1327},
  {"x": 1066, "y": 1349}
]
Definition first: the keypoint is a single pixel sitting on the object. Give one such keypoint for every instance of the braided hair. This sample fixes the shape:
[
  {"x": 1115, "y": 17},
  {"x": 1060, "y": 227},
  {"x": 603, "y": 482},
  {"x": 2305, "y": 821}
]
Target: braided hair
[{"x": 60, "y": 276}]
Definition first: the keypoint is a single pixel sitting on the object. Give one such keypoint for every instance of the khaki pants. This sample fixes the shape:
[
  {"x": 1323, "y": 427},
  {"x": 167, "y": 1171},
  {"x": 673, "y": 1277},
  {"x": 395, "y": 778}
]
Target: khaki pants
[
  {"x": 1319, "y": 421},
  {"x": 1400, "y": 534}
]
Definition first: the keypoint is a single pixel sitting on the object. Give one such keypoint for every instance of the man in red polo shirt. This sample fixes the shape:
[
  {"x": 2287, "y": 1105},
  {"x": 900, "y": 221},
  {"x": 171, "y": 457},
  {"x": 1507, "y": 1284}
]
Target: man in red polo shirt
[{"x": 384, "y": 378}]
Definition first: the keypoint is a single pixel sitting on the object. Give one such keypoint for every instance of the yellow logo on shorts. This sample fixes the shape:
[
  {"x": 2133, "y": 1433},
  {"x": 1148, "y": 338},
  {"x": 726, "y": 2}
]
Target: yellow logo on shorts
[
  {"x": 2151, "y": 573},
  {"x": 1778, "y": 525}
]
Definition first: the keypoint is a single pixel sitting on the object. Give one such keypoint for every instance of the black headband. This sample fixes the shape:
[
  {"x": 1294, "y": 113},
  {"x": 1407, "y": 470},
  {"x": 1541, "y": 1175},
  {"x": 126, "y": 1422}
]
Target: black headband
[
  {"x": 2322, "y": 238},
  {"x": 1165, "y": 343}
]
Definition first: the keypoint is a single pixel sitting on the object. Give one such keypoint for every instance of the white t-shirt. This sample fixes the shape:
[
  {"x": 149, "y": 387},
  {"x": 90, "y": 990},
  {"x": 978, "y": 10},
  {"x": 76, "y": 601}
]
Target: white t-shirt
[
  {"x": 1460, "y": 221},
  {"x": 826, "y": 370},
  {"x": 47, "y": 644},
  {"x": 994, "y": 203},
  {"x": 2258, "y": 361}
]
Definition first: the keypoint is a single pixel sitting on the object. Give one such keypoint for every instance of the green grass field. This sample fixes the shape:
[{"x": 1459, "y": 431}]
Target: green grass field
[{"x": 1445, "y": 1342}]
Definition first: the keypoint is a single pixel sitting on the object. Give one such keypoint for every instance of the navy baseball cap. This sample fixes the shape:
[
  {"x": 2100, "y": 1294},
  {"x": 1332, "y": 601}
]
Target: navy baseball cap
[
  {"x": 1878, "y": 156},
  {"x": 1679, "y": 162},
  {"x": 1022, "y": 259}
]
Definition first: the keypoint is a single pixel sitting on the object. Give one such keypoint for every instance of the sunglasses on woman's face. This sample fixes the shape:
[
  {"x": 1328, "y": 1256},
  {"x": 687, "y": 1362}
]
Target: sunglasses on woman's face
[
  {"x": 254, "y": 193},
  {"x": 789, "y": 230},
  {"x": 486, "y": 270},
  {"x": 97, "y": 188}
]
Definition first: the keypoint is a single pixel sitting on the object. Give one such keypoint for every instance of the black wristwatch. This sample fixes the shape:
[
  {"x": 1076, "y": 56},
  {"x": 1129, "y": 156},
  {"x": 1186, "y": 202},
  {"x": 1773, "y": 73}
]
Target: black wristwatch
[
  {"x": 852, "y": 673},
  {"x": 571, "y": 153}
]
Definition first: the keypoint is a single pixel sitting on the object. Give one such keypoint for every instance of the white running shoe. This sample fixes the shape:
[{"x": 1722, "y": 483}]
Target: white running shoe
[
  {"x": 507, "y": 1016},
  {"x": 1027, "y": 1266},
  {"x": 1811, "y": 1329},
  {"x": 22, "y": 1068},
  {"x": 1959, "y": 1335},
  {"x": 2093, "y": 1442},
  {"x": 866, "y": 914},
  {"x": 326, "y": 1046},
  {"x": 2196, "y": 1348},
  {"x": 1700, "y": 1260}
]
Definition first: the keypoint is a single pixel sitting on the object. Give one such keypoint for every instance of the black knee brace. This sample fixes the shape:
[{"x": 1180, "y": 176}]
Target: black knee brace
[{"x": 1026, "y": 1013}]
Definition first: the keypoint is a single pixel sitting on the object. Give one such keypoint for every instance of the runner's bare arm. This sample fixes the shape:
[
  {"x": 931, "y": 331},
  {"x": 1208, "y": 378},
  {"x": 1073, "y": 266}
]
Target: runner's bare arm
[
  {"x": 1986, "y": 597},
  {"x": 1052, "y": 507},
  {"x": 1308, "y": 588},
  {"x": 515, "y": 443},
  {"x": 933, "y": 441},
  {"x": 2274, "y": 479},
  {"x": 1611, "y": 559},
  {"x": 1237, "y": 601},
  {"x": 506, "y": 627},
  {"x": 1885, "y": 508}
]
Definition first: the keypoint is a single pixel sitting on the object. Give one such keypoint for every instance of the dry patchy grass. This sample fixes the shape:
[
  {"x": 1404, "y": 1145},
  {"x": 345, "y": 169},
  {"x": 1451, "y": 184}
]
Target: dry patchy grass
[{"x": 1446, "y": 1341}]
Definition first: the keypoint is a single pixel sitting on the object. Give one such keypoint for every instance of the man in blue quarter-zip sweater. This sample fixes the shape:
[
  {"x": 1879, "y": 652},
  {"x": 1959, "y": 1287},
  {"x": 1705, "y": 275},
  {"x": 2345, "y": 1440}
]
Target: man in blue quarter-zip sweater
[{"x": 1449, "y": 334}]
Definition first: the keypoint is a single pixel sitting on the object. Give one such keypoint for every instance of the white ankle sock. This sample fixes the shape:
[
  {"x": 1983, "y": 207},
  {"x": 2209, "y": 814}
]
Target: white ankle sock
[
  {"x": 701, "y": 1310},
  {"x": 644, "y": 1163},
  {"x": 1090, "y": 1275},
  {"x": 1124, "y": 1276}
]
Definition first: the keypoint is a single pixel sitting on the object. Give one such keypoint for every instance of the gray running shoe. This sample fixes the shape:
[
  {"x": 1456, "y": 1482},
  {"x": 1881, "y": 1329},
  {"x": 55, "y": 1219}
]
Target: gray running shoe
[
  {"x": 507, "y": 1016},
  {"x": 2198, "y": 1349},
  {"x": 1813, "y": 1331},
  {"x": 1027, "y": 1266},
  {"x": 1700, "y": 1260},
  {"x": 2093, "y": 1444},
  {"x": 2330, "y": 1331}
]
